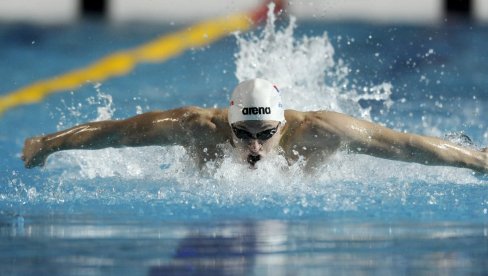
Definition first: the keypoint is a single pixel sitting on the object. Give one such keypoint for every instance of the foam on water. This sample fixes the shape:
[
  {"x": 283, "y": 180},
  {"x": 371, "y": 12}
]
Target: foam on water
[{"x": 310, "y": 78}]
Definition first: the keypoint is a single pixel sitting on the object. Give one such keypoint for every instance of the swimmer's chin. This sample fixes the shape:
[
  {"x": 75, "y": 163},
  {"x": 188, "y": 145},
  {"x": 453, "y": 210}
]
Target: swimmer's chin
[{"x": 253, "y": 159}]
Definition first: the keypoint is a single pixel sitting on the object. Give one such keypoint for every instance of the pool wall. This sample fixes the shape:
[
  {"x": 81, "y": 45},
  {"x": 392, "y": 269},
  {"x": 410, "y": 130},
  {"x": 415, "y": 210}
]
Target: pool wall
[{"x": 414, "y": 11}]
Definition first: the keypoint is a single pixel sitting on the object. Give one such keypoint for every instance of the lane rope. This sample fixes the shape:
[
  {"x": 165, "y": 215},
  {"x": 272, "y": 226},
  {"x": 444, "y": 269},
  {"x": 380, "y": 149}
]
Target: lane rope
[{"x": 122, "y": 62}]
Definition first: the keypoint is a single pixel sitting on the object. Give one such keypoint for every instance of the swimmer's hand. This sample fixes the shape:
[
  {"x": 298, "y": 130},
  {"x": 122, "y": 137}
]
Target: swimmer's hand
[
  {"x": 33, "y": 154},
  {"x": 483, "y": 173},
  {"x": 485, "y": 151}
]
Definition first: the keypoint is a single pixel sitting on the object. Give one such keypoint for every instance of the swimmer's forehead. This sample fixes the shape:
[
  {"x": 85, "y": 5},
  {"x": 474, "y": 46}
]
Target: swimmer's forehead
[{"x": 256, "y": 124}]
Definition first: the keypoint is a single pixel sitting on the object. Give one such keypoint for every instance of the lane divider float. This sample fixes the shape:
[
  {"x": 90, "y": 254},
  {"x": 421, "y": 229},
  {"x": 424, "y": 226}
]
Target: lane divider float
[{"x": 122, "y": 62}]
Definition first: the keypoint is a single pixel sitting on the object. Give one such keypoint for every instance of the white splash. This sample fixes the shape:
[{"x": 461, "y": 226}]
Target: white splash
[
  {"x": 79, "y": 112},
  {"x": 106, "y": 109},
  {"x": 305, "y": 70}
]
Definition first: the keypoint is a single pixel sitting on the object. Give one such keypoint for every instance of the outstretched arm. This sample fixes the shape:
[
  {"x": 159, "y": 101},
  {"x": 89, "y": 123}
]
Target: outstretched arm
[
  {"x": 368, "y": 138},
  {"x": 152, "y": 128}
]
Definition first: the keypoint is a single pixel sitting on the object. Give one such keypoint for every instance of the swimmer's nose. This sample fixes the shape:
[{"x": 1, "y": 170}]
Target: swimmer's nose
[{"x": 254, "y": 146}]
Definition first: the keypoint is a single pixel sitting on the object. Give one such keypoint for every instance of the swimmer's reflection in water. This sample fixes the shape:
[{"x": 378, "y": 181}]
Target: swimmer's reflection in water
[
  {"x": 256, "y": 125},
  {"x": 210, "y": 254}
]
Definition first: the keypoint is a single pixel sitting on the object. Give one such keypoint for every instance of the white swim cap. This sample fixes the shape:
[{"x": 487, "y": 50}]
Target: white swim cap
[{"x": 256, "y": 99}]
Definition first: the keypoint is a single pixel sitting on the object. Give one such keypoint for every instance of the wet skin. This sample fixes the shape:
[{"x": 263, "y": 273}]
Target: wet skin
[{"x": 312, "y": 135}]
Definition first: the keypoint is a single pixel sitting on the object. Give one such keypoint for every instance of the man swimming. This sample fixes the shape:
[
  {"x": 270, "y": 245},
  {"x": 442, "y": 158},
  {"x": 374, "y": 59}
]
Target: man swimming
[{"x": 256, "y": 125}]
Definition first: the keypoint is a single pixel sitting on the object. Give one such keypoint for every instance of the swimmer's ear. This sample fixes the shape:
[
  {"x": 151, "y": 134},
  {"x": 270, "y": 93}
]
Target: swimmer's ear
[{"x": 282, "y": 126}]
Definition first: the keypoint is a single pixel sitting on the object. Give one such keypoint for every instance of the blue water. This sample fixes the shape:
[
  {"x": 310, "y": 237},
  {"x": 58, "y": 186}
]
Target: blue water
[{"x": 150, "y": 211}]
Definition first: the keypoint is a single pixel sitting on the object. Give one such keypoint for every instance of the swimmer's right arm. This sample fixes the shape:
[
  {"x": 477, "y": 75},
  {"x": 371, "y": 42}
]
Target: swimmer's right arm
[{"x": 152, "y": 128}]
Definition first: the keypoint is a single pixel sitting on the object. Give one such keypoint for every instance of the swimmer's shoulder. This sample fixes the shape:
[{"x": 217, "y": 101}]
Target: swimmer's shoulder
[
  {"x": 321, "y": 122},
  {"x": 211, "y": 118},
  {"x": 192, "y": 113},
  {"x": 300, "y": 117},
  {"x": 209, "y": 124}
]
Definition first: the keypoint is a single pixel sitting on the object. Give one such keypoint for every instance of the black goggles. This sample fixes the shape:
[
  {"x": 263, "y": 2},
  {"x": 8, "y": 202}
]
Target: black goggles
[{"x": 262, "y": 135}]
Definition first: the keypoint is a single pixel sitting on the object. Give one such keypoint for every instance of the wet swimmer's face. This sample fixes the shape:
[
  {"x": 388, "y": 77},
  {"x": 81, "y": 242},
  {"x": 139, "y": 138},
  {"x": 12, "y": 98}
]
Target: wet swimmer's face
[{"x": 256, "y": 139}]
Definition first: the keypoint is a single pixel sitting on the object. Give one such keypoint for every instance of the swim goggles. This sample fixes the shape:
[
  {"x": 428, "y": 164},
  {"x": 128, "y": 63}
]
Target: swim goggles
[{"x": 262, "y": 135}]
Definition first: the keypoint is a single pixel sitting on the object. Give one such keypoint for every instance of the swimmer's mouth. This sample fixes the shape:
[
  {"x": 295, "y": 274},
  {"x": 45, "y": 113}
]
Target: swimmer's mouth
[{"x": 253, "y": 159}]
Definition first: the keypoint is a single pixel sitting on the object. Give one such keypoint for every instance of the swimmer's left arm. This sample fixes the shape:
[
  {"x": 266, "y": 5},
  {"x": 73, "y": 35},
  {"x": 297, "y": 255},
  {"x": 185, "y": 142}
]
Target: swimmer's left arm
[{"x": 368, "y": 138}]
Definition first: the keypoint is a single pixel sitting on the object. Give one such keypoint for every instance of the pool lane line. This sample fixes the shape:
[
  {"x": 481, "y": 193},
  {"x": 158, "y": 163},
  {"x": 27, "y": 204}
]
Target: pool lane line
[{"x": 122, "y": 62}]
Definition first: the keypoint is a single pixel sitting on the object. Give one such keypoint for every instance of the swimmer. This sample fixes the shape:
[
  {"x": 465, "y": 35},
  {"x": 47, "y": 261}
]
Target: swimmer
[{"x": 256, "y": 125}]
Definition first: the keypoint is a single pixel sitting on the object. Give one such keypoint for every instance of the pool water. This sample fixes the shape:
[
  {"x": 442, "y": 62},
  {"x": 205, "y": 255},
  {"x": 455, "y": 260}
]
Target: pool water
[{"x": 151, "y": 211}]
